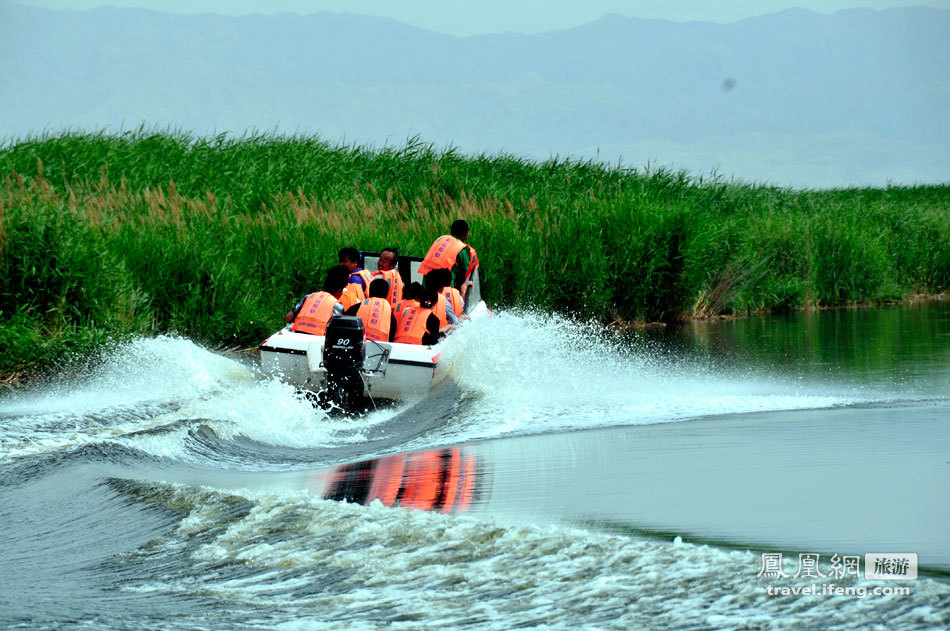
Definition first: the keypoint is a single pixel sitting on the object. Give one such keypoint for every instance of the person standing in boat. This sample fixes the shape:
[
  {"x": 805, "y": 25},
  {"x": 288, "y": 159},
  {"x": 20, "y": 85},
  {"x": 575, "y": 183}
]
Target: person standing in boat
[
  {"x": 312, "y": 313},
  {"x": 359, "y": 278},
  {"x": 379, "y": 323},
  {"x": 451, "y": 252},
  {"x": 386, "y": 269},
  {"x": 415, "y": 322}
]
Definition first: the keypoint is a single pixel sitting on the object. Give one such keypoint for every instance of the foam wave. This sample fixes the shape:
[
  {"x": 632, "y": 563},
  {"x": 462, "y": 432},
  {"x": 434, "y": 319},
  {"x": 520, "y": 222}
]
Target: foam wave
[
  {"x": 522, "y": 373},
  {"x": 539, "y": 373},
  {"x": 150, "y": 383},
  {"x": 138, "y": 385},
  {"x": 339, "y": 565}
]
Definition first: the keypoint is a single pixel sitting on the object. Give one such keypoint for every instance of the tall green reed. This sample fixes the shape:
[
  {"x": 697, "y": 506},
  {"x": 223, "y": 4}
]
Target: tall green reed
[{"x": 216, "y": 237}]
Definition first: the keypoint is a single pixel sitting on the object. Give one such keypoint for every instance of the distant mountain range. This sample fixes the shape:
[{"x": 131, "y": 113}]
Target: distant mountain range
[{"x": 795, "y": 98}]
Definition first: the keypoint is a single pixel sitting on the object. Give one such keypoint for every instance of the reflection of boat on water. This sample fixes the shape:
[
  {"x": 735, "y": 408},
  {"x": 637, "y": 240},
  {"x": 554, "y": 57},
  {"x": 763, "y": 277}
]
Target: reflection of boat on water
[
  {"x": 349, "y": 370},
  {"x": 444, "y": 480},
  {"x": 788, "y": 480}
]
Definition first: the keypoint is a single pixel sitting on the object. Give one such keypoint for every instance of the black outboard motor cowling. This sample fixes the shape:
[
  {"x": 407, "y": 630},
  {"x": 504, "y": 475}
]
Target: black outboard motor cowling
[{"x": 343, "y": 354}]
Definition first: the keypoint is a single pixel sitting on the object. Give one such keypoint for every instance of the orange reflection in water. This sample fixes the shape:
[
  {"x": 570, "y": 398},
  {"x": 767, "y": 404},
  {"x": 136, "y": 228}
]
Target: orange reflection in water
[{"x": 439, "y": 479}]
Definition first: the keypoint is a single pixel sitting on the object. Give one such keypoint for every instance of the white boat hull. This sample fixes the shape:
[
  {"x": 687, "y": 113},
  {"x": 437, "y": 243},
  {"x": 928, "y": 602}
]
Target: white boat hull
[{"x": 391, "y": 371}]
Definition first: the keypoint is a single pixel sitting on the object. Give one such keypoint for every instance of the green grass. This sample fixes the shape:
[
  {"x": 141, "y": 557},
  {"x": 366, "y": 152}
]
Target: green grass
[{"x": 214, "y": 238}]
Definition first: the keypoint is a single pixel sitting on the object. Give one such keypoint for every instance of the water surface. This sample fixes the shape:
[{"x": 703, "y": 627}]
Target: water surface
[{"x": 597, "y": 481}]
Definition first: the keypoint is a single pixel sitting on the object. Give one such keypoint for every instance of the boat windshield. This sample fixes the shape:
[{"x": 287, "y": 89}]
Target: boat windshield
[{"x": 408, "y": 267}]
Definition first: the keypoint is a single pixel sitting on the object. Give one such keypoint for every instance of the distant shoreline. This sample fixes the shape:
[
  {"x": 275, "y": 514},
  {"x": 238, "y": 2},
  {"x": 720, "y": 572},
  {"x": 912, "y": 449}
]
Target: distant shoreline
[{"x": 913, "y": 299}]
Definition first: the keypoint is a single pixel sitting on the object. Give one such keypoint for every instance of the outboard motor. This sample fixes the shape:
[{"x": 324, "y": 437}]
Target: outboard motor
[{"x": 343, "y": 354}]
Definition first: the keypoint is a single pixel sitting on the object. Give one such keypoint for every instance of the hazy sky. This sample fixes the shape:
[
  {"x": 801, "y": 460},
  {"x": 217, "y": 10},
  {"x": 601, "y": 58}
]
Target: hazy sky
[{"x": 494, "y": 16}]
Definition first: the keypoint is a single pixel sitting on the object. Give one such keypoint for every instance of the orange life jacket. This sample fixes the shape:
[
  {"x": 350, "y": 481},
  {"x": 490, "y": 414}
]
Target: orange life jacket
[
  {"x": 439, "y": 310},
  {"x": 442, "y": 254},
  {"x": 352, "y": 295},
  {"x": 367, "y": 277},
  {"x": 411, "y": 324},
  {"x": 376, "y": 315},
  {"x": 401, "y": 307},
  {"x": 472, "y": 263},
  {"x": 454, "y": 300},
  {"x": 392, "y": 277},
  {"x": 316, "y": 311}
]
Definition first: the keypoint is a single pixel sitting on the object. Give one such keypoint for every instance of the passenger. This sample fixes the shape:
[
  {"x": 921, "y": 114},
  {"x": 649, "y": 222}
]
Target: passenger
[
  {"x": 352, "y": 295},
  {"x": 359, "y": 277},
  {"x": 437, "y": 280},
  {"x": 409, "y": 295},
  {"x": 452, "y": 253},
  {"x": 455, "y": 302},
  {"x": 312, "y": 313},
  {"x": 379, "y": 323},
  {"x": 386, "y": 269},
  {"x": 416, "y": 324}
]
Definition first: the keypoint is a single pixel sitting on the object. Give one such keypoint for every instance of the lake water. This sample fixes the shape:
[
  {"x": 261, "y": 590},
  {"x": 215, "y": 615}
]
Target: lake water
[{"x": 703, "y": 478}]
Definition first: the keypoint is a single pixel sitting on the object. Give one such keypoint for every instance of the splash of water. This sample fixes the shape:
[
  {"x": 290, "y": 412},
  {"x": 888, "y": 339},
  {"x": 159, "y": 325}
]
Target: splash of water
[
  {"x": 154, "y": 383},
  {"x": 521, "y": 373},
  {"x": 540, "y": 373}
]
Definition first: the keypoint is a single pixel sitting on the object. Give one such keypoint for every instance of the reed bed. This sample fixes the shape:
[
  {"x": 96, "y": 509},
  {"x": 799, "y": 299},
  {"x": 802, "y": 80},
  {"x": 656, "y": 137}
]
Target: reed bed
[{"x": 214, "y": 238}]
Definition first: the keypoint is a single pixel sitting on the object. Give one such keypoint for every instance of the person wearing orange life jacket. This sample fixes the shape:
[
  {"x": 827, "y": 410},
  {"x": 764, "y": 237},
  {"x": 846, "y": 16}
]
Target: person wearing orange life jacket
[
  {"x": 386, "y": 269},
  {"x": 312, "y": 313},
  {"x": 409, "y": 295},
  {"x": 451, "y": 252},
  {"x": 379, "y": 323},
  {"x": 352, "y": 295},
  {"x": 416, "y": 324},
  {"x": 359, "y": 278},
  {"x": 455, "y": 302},
  {"x": 438, "y": 280}
]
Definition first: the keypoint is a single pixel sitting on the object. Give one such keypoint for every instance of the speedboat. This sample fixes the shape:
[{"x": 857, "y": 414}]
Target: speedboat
[{"x": 345, "y": 371}]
